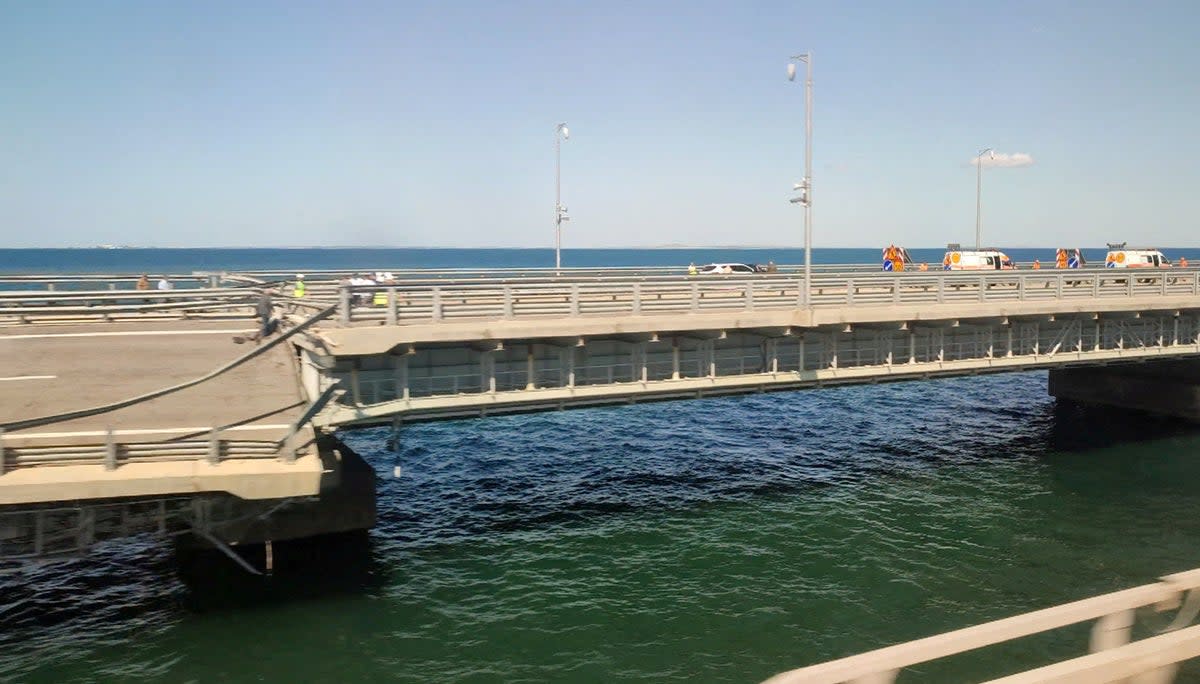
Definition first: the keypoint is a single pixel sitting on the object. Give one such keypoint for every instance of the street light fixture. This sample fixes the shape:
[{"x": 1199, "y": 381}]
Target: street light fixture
[
  {"x": 560, "y": 212},
  {"x": 805, "y": 186},
  {"x": 979, "y": 192}
]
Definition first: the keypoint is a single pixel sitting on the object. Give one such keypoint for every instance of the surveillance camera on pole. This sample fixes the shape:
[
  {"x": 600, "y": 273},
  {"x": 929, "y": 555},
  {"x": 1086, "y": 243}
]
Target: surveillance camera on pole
[
  {"x": 561, "y": 133},
  {"x": 802, "y": 198}
]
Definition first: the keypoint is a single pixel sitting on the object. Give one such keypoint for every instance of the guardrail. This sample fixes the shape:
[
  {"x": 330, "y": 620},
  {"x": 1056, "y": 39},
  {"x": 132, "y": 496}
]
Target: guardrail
[
  {"x": 1113, "y": 657},
  {"x": 399, "y": 303},
  {"x": 24, "y": 306},
  {"x": 409, "y": 275},
  {"x": 113, "y": 453},
  {"x": 102, "y": 281}
]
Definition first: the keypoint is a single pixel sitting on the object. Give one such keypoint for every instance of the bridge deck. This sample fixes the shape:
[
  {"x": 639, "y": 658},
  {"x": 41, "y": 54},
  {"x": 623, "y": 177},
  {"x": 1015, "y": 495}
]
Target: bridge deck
[
  {"x": 164, "y": 445},
  {"x": 55, "y": 369}
]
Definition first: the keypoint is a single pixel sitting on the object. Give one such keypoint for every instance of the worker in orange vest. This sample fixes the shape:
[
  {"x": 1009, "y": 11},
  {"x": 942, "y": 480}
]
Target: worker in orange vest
[
  {"x": 1182, "y": 262},
  {"x": 1036, "y": 264},
  {"x": 1060, "y": 258}
]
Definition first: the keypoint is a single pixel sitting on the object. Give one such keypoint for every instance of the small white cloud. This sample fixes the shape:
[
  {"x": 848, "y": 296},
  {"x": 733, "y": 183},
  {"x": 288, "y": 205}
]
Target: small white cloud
[{"x": 1003, "y": 159}]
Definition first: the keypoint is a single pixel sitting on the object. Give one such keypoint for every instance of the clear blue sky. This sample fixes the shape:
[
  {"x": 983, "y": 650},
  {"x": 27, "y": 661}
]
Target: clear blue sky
[{"x": 432, "y": 124}]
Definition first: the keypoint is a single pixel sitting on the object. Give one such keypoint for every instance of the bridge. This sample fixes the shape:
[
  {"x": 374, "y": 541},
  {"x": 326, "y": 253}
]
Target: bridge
[
  {"x": 440, "y": 349},
  {"x": 128, "y": 411}
]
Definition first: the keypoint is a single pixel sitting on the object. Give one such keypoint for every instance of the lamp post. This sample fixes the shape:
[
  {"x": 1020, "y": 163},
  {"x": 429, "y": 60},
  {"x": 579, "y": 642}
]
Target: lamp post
[
  {"x": 560, "y": 212},
  {"x": 805, "y": 186},
  {"x": 979, "y": 193}
]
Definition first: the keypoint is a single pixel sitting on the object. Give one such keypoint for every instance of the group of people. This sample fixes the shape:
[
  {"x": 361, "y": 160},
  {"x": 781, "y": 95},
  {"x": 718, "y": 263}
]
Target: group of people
[
  {"x": 164, "y": 283},
  {"x": 378, "y": 297}
]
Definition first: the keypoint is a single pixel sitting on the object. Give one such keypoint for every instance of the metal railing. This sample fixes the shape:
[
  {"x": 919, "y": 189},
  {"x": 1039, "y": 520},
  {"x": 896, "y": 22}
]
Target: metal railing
[
  {"x": 395, "y": 304},
  {"x": 24, "y": 306},
  {"x": 1113, "y": 657},
  {"x": 100, "y": 281},
  {"x": 113, "y": 452}
]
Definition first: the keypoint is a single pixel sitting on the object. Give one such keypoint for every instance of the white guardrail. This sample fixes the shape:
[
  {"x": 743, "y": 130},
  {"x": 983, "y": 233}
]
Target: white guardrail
[
  {"x": 27, "y": 305},
  {"x": 1113, "y": 658},
  {"x": 405, "y": 302}
]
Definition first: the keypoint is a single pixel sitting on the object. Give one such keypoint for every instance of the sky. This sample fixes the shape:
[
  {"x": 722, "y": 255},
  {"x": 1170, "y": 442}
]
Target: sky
[{"x": 180, "y": 124}]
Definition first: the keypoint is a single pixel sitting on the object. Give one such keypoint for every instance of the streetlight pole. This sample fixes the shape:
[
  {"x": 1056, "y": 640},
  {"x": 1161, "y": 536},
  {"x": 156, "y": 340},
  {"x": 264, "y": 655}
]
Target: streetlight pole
[
  {"x": 805, "y": 186},
  {"x": 979, "y": 194},
  {"x": 560, "y": 212}
]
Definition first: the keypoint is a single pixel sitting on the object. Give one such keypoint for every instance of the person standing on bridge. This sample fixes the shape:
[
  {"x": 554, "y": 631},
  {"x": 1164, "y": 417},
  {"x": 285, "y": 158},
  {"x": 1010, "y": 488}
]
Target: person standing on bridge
[
  {"x": 164, "y": 283},
  {"x": 298, "y": 288},
  {"x": 143, "y": 283},
  {"x": 267, "y": 323}
]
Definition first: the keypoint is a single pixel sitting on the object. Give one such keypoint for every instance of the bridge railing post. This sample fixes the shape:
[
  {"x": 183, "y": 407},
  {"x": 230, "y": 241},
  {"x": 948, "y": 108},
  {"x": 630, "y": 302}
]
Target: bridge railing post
[
  {"x": 2, "y": 454},
  {"x": 749, "y": 295},
  {"x": 1163, "y": 277},
  {"x": 850, "y": 291},
  {"x": 437, "y": 301},
  {"x": 214, "y": 446},
  {"x": 1196, "y": 283},
  {"x": 982, "y": 288},
  {"x": 1096, "y": 284},
  {"x": 896, "y": 289},
  {"x": 695, "y": 296},
  {"x": 344, "y": 305},
  {"x": 941, "y": 290},
  {"x": 508, "y": 302},
  {"x": 393, "y": 308},
  {"x": 574, "y": 299},
  {"x": 110, "y": 450},
  {"x": 1021, "y": 288},
  {"x": 1058, "y": 286},
  {"x": 1129, "y": 284},
  {"x": 637, "y": 298}
]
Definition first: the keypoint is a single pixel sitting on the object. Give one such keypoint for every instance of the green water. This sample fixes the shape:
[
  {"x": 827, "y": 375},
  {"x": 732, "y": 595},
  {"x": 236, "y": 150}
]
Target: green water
[{"x": 717, "y": 541}]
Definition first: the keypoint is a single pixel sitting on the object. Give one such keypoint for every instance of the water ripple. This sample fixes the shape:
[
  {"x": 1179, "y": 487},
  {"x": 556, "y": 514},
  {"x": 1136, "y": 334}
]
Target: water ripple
[{"x": 716, "y": 540}]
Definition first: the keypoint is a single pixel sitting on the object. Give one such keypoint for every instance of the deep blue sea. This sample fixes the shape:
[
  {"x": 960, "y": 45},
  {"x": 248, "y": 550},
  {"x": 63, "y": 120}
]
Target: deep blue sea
[{"x": 715, "y": 540}]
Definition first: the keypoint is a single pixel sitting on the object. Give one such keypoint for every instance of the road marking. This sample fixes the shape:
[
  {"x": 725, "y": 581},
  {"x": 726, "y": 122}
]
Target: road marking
[
  {"x": 127, "y": 333},
  {"x": 29, "y": 377}
]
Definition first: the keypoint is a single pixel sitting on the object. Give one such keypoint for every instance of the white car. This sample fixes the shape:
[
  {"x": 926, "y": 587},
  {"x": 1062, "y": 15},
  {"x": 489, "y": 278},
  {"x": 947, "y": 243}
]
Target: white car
[{"x": 728, "y": 268}]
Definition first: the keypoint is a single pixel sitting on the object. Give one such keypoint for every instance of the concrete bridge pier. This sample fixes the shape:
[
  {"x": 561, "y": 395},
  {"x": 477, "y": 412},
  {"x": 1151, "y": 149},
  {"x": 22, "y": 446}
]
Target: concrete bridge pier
[{"x": 1166, "y": 387}]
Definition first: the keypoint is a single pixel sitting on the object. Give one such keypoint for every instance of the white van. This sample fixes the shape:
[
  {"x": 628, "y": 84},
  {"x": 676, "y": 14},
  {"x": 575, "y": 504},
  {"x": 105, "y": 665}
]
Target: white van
[
  {"x": 989, "y": 259},
  {"x": 1120, "y": 256}
]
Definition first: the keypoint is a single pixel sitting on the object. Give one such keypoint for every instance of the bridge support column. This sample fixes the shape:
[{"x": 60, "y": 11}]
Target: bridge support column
[
  {"x": 674, "y": 358},
  {"x": 400, "y": 375},
  {"x": 530, "y": 376},
  {"x": 1170, "y": 388}
]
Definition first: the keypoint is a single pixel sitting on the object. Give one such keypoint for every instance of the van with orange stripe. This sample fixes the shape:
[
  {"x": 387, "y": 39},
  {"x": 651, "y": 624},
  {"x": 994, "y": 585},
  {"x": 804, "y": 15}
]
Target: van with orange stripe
[
  {"x": 989, "y": 259},
  {"x": 1120, "y": 256}
]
